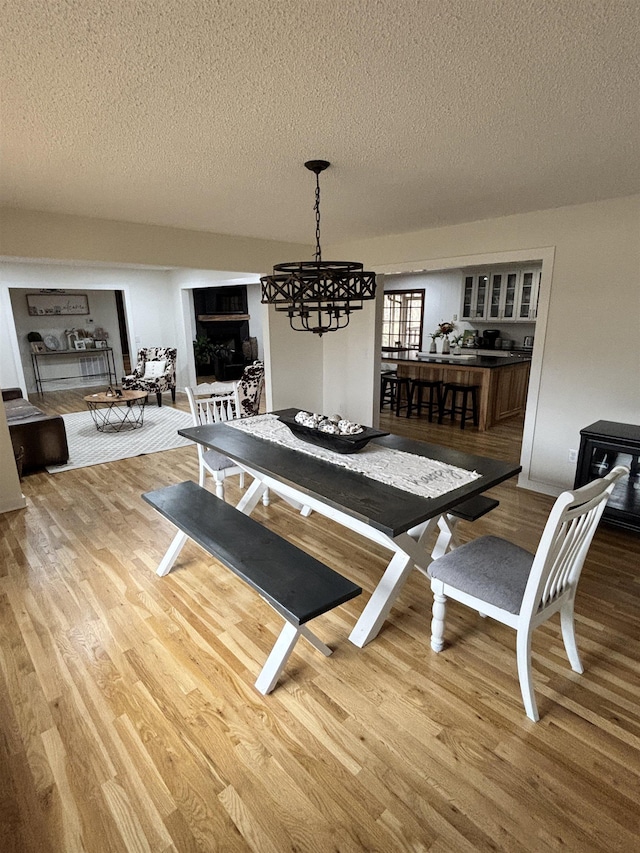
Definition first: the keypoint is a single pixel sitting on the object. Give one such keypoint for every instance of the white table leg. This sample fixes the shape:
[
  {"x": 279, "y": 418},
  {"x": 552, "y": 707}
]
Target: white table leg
[
  {"x": 251, "y": 497},
  {"x": 396, "y": 574},
  {"x": 382, "y": 599}
]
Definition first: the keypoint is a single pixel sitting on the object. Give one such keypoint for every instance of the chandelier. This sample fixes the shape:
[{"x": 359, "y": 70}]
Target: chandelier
[{"x": 319, "y": 296}]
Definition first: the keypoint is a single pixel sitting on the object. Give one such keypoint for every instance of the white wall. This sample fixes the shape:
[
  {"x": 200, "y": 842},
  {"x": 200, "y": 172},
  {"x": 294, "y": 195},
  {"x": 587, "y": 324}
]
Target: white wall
[
  {"x": 10, "y": 493},
  {"x": 587, "y": 365},
  {"x": 103, "y": 314},
  {"x": 149, "y": 295},
  {"x": 442, "y": 298},
  {"x": 443, "y": 301}
]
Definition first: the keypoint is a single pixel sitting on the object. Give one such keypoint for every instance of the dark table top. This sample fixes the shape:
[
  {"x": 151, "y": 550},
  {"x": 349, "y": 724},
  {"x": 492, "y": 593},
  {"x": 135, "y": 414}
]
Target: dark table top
[
  {"x": 391, "y": 510},
  {"x": 462, "y": 361}
]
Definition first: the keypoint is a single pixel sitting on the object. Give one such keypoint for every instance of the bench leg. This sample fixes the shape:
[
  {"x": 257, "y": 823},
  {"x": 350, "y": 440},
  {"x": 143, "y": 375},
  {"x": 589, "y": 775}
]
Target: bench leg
[
  {"x": 166, "y": 564},
  {"x": 279, "y": 655}
]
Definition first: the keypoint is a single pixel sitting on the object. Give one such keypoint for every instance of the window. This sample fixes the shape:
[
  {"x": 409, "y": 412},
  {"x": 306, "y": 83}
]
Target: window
[{"x": 402, "y": 318}]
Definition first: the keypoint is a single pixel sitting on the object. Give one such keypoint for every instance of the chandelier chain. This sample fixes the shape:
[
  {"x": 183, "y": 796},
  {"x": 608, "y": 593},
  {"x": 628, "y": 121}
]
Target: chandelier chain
[{"x": 316, "y": 207}]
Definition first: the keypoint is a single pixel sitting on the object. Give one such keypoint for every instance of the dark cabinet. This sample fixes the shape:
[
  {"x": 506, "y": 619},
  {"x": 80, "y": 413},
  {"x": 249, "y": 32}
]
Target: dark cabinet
[{"x": 603, "y": 445}]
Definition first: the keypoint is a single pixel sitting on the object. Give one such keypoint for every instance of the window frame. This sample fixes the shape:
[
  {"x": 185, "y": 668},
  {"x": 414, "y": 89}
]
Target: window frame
[{"x": 407, "y": 336}]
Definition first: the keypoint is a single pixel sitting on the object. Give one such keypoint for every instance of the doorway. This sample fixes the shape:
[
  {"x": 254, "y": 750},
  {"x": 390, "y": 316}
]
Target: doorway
[{"x": 542, "y": 256}]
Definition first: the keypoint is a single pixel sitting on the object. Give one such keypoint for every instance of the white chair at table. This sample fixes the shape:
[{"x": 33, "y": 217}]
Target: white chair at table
[
  {"x": 214, "y": 403},
  {"x": 520, "y": 589}
]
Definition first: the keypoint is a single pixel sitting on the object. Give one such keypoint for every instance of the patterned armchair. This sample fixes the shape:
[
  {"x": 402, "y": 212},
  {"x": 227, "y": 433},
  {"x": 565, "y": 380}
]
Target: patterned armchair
[
  {"x": 250, "y": 388},
  {"x": 155, "y": 372}
]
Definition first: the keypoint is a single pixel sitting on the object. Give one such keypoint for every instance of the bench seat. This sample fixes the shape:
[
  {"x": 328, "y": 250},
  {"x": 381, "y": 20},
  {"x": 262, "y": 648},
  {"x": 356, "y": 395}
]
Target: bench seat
[{"x": 294, "y": 583}]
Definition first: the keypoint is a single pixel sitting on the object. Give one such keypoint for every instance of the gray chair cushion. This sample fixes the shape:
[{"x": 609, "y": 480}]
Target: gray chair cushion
[
  {"x": 216, "y": 461},
  {"x": 488, "y": 568}
]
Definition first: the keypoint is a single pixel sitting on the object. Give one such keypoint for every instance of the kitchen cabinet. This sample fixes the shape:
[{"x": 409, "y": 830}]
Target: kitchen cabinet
[
  {"x": 603, "y": 445},
  {"x": 507, "y": 296},
  {"x": 474, "y": 297}
]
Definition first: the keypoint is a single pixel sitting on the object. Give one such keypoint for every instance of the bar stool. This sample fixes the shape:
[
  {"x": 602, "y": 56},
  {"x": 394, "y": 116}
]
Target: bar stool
[
  {"x": 468, "y": 395},
  {"x": 387, "y": 389},
  {"x": 434, "y": 402},
  {"x": 391, "y": 388}
]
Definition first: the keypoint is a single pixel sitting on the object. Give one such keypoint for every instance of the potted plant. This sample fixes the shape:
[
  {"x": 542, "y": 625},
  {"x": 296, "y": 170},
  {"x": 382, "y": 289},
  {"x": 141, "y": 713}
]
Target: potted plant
[
  {"x": 445, "y": 328},
  {"x": 203, "y": 351}
]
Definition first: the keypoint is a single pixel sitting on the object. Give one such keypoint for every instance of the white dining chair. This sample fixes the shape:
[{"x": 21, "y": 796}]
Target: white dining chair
[
  {"x": 520, "y": 589},
  {"x": 214, "y": 403}
]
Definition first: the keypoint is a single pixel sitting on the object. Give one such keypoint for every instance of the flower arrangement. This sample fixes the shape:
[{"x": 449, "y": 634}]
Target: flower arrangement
[{"x": 445, "y": 328}]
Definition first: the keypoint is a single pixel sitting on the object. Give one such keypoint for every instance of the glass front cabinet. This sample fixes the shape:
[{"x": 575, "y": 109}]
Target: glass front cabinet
[
  {"x": 505, "y": 295},
  {"x": 603, "y": 445},
  {"x": 474, "y": 297}
]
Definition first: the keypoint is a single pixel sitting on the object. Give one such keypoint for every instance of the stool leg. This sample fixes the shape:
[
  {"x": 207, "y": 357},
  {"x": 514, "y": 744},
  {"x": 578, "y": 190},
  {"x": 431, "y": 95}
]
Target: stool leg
[
  {"x": 463, "y": 410},
  {"x": 409, "y": 399},
  {"x": 443, "y": 403}
]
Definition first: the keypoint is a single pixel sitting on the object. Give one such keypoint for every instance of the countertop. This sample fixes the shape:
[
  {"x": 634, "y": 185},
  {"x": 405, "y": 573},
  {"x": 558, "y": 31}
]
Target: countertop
[{"x": 464, "y": 360}]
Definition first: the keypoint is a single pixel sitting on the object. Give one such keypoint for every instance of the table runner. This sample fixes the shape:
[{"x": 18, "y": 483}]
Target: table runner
[{"x": 416, "y": 474}]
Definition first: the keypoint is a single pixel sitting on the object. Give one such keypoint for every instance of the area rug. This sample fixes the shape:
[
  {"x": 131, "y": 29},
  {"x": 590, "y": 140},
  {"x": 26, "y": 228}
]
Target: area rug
[{"x": 88, "y": 447}]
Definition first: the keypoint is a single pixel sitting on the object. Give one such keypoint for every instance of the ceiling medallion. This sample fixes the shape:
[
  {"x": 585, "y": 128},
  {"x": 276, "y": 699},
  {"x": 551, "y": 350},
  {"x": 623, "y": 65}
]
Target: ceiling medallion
[{"x": 318, "y": 295}]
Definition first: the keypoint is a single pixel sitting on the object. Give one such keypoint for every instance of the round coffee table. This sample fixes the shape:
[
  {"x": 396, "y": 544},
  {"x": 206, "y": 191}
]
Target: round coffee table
[{"x": 112, "y": 413}]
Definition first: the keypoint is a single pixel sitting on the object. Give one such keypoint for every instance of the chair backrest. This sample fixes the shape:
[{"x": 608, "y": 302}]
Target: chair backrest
[
  {"x": 169, "y": 354},
  {"x": 250, "y": 388},
  {"x": 214, "y": 402},
  {"x": 565, "y": 542}
]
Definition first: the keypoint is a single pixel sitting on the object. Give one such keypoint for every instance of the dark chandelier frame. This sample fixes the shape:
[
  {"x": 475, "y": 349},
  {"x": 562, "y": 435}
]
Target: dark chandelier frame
[{"x": 319, "y": 296}]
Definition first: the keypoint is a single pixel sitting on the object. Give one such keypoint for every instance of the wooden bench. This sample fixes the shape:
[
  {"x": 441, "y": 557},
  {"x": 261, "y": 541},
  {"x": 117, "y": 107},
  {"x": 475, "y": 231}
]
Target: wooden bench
[
  {"x": 470, "y": 510},
  {"x": 295, "y": 584}
]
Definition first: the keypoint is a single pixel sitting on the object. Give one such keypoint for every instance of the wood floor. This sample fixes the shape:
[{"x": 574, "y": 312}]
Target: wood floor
[{"x": 129, "y": 721}]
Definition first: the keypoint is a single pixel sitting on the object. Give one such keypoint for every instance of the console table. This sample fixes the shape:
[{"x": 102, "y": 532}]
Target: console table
[
  {"x": 603, "y": 445},
  {"x": 76, "y": 355}
]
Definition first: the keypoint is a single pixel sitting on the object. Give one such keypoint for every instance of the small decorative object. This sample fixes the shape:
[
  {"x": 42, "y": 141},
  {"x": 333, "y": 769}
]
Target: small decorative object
[
  {"x": 34, "y": 336},
  {"x": 445, "y": 328},
  {"x": 457, "y": 341},
  {"x": 99, "y": 334},
  {"x": 80, "y": 344},
  {"x": 52, "y": 304},
  {"x": 72, "y": 336},
  {"x": 119, "y": 392},
  {"x": 109, "y": 392},
  {"x": 51, "y": 342},
  {"x": 341, "y": 436},
  {"x": 38, "y": 346},
  {"x": 101, "y": 343},
  {"x": 434, "y": 337}
]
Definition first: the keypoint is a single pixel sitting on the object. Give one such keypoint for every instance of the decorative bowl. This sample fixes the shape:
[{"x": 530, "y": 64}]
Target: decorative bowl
[{"x": 337, "y": 443}]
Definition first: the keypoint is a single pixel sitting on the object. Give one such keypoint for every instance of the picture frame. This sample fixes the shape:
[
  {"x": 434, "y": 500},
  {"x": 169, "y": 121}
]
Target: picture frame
[
  {"x": 101, "y": 344},
  {"x": 80, "y": 344},
  {"x": 38, "y": 346},
  {"x": 57, "y": 304}
]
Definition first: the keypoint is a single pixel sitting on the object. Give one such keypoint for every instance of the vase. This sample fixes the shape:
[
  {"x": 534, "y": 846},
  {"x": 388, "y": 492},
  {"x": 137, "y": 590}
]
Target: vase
[
  {"x": 432, "y": 348},
  {"x": 445, "y": 347}
]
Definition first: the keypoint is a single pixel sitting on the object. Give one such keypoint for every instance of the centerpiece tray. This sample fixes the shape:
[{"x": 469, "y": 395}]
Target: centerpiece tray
[{"x": 337, "y": 443}]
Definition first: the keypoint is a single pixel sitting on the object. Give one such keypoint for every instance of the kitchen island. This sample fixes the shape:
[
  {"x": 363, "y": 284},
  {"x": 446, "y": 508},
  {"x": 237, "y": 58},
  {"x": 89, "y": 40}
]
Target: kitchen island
[{"x": 503, "y": 380}]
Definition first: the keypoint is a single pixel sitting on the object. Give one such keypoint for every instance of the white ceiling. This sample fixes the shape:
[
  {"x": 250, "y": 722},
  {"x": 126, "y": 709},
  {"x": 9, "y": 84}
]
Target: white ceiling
[{"x": 200, "y": 113}]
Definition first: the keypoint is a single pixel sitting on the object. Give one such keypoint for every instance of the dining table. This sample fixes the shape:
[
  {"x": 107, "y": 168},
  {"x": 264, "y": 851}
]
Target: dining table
[{"x": 398, "y": 517}]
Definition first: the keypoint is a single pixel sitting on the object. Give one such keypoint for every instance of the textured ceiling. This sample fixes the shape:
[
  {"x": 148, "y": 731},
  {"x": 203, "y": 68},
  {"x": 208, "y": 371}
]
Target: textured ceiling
[{"x": 200, "y": 113}]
